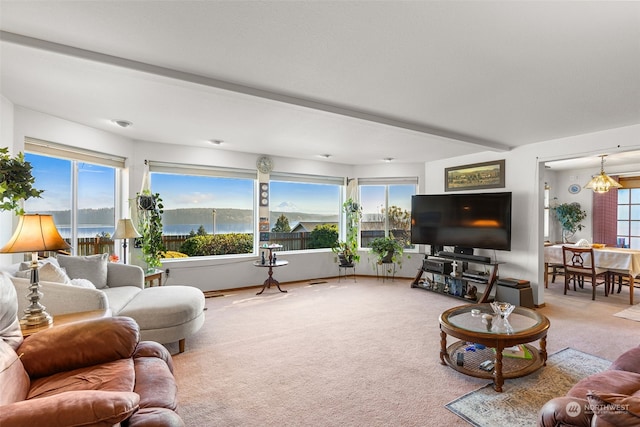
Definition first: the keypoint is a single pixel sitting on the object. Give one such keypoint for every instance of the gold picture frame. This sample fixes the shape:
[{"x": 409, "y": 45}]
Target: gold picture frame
[{"x": 475, "y": 176}]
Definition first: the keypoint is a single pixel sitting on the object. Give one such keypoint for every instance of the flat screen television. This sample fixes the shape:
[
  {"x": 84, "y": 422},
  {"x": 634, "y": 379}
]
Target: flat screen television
[{"x": 475, "y": 220}]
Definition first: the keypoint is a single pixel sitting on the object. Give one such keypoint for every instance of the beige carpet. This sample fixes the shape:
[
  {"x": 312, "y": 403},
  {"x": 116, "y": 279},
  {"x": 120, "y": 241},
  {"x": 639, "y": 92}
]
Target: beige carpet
[{"x": 351, "y": 354}]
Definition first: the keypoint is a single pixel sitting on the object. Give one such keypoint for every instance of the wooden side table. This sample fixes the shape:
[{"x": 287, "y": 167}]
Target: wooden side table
[
  {"x": 151, "y": 277},
  {"x": 63, "y": 319}
]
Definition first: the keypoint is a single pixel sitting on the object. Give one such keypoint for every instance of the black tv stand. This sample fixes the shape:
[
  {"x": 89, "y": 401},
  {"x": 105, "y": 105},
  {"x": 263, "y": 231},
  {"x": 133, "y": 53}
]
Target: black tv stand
[
  {"x": 465, "y": 257},
  {"x": 443, "y": 280}
]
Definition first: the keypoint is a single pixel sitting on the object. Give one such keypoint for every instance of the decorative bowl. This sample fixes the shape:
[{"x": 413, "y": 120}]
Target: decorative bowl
[{"x": 502, "y": 309}]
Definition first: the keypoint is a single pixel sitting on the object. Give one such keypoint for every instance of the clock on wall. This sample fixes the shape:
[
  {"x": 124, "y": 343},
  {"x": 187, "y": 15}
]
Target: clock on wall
[{"x": 264, "y": 164}]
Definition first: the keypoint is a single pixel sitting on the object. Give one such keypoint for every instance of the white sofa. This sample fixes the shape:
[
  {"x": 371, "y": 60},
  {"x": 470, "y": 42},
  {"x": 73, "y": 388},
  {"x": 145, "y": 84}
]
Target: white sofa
[{"x": 164, "y": 314}]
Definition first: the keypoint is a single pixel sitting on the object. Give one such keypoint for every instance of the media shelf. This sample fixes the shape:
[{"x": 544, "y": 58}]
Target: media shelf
[{"x": 459, "y": 285}]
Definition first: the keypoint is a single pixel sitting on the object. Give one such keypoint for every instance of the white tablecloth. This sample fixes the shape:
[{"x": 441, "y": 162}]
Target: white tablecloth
[{"x": 620, "y": 260}]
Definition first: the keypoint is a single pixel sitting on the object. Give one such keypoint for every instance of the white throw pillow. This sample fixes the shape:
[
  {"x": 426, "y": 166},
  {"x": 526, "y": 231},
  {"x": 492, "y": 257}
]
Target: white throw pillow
[
  {"x": 26, "y": 265},
  {"x": 50, "y": 273},
  {"x": 90, "y": 267},
  {"x": 82, "y": 283}
]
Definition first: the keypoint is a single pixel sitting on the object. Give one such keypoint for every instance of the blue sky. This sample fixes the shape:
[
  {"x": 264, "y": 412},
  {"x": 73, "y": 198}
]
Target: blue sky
[
  {"x": 96, "y": 190},
  {"x": 95, "y": 185}
]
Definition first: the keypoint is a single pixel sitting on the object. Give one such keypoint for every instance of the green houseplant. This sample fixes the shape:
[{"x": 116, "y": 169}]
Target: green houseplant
[
  {"x": 16, "y": 181},
  {"x": 348, "y": 250},
  {"x": 150, "y": 209},
  {"x": 387, "y": 250},
  {"x": 570, "y": 216}
]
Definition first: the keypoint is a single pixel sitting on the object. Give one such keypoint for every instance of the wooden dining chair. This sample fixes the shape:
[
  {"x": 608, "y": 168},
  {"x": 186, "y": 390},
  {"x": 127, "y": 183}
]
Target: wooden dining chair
[{"x": 580, "y": 267}]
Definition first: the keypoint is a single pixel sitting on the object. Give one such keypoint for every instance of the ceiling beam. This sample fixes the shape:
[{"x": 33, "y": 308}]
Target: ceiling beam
[{"x": 247, "y": 90}]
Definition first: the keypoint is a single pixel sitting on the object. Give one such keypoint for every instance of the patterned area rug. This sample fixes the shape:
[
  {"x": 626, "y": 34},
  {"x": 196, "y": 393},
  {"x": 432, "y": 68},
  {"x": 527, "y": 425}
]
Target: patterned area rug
[
  {"x": 631, "y": 313},
  {"x": 523, "y": 397}
]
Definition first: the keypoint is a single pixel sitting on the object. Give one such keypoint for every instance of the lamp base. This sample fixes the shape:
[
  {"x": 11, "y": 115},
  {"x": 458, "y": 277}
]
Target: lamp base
[{"x": 35, "y": 320}]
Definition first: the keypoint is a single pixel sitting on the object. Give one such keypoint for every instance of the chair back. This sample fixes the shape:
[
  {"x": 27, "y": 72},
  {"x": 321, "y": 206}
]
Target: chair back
[{"x": 578, "y": 260}]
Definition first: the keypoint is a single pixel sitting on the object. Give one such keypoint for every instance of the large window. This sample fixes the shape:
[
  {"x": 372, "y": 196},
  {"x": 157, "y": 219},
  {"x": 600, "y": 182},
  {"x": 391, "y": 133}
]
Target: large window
[
  {"x": 304, "y": 211},
  {"x": 79, "y": 191},
  {"x": 386, "y": 209},
  {"x": 629, "y": 218},
  {"x": 207, "y": 211}
]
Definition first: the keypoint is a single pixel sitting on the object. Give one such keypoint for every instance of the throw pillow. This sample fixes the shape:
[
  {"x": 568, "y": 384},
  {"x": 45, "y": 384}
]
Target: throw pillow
[
  {"x": 50, "y": 273},
  {"x": 90, "y": 267},
  {"x": 82, "y": 283},
  {"x": 617, "y": 409},
  {"x": 26, "y": 265}
]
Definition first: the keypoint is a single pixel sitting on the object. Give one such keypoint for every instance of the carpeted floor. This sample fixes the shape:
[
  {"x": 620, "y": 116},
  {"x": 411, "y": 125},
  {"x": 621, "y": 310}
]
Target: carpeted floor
[
  {"x": 518, "y": 407},
  {"x": 352, "y": 354}
]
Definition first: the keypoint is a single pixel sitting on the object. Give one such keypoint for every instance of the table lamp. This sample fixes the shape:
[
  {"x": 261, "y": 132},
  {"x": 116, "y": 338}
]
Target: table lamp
[
  {"x": 125, "y": 230},
  {"x": 35, "y": 233}
]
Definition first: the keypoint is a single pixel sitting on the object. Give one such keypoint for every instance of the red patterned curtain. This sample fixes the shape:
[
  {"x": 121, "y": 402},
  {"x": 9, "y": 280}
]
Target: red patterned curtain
[{"x": 605, "y": 217}]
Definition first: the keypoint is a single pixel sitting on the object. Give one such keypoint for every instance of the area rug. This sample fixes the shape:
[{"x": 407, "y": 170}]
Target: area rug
[
  {"x": 523, "y": 397},
  {"x": 631, "y": 313}
]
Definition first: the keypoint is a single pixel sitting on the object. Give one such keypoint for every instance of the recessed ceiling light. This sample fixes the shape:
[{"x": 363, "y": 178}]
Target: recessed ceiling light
[
  {"x": 122, "y": 123},
  {"x": 216, "y": 141},
  {"x": 388, "y": 159}
]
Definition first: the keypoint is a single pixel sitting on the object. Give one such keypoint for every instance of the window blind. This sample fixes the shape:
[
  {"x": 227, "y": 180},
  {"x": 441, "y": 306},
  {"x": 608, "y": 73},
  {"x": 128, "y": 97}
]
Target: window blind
[
  {"x": 310, "y": 179},
  {"x": 48, "y": 148},
  {"x": 202, "y": 170}
]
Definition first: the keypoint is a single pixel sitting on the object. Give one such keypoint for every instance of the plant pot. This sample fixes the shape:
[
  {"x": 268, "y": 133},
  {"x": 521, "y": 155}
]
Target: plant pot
[
  {"x": 146, "y": 203},
  {"x": 388, "y": 258},
  {"x": 345, "y": 260}
]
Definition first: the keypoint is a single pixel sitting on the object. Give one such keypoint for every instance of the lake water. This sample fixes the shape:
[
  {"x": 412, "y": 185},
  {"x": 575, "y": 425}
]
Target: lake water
[{"x": 169, "y": 230}]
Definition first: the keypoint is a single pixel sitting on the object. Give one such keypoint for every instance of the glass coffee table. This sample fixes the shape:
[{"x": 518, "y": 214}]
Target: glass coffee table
[{"x": 493, "y": 350}]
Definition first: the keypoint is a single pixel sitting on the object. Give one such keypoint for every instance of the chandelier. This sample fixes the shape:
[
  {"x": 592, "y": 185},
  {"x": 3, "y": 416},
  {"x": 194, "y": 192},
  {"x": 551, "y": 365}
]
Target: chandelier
[{"x": 602, "y": 183}]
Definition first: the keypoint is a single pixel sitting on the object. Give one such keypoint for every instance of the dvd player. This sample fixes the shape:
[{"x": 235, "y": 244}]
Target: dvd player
[{"x": 464, "y": 257}]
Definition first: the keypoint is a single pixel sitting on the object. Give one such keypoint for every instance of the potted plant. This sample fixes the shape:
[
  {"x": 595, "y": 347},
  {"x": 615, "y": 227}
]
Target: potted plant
[
  {"x": 348, "y": 250},
  {"x": 16, "y": 182},
  {"x": 387, "y": 250},
  {"x": 570, "y": 216},
  {"x": 150, "y": 209}
]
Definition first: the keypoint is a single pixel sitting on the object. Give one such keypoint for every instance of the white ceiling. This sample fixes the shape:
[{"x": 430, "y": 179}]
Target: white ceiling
[{"x": 359, "y": 80}]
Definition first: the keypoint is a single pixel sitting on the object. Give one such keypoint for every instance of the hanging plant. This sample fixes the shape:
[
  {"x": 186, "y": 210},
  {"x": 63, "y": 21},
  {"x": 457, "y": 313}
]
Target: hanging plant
[
  {"x": 16, "y": 182},
  {"x": 150, "y": 210},
  {"x": 349, "y": 248}
]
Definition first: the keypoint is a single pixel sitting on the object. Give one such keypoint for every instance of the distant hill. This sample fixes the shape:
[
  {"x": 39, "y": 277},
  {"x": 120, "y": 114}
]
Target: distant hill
[{"x": 191, "y": 216}]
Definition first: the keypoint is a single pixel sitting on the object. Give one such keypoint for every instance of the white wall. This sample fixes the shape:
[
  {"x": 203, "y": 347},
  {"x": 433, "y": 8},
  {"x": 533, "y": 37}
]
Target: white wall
[
  {"x": 6, "y": 140},
  {"x": 525, "y": 178}
]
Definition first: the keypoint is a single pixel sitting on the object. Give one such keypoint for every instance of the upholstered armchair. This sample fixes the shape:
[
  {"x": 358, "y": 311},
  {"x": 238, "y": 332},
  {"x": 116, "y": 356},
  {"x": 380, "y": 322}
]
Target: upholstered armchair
[{"x": 92, "y": 372}]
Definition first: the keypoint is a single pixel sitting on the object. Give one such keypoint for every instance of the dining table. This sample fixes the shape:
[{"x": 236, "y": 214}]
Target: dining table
[{"x": 617, "y": 260}]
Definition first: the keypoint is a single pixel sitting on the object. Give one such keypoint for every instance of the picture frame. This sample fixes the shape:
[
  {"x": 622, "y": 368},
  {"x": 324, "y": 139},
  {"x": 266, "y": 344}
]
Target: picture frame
[{"x": 476, "y": 176}]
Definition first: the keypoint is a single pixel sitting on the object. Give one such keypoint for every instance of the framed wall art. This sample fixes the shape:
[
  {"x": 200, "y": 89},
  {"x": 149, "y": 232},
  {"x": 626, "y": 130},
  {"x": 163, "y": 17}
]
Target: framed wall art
[{"x": 476, "y": 176}]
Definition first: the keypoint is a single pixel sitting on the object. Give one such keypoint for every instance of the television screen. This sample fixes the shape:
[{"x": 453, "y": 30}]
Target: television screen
[{"x": 476, "y": 220}]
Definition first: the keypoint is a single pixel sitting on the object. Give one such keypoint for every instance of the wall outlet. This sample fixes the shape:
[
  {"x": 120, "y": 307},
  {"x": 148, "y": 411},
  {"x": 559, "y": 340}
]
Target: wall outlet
[{"x": 167, "y": 272}]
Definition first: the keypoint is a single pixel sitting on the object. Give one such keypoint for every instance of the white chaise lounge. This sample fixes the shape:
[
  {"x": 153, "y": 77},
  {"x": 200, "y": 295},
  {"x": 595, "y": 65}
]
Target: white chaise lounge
[{"x": 165, "y": 314}]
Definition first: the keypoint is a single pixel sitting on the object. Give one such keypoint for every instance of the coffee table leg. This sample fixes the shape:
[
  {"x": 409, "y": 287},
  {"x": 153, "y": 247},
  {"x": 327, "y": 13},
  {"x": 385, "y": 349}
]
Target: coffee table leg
[
  {"x": 443, "y": 347},
  {"x": 543, "y": 350},
  {"x": 498, "y": 380}
]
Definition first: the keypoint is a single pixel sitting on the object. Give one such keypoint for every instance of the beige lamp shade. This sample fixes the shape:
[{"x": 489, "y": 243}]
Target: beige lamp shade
[
  {"x": 602, "y": 182},
  {"x": 125, "y": 230},
  {"x": 35, "y": 233}
]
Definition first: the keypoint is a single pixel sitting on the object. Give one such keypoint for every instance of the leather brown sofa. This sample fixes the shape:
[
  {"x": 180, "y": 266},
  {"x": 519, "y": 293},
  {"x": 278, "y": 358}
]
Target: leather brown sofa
[
  {"x": 87, "y": 373},
  {"x": 607, "y": 399}
]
